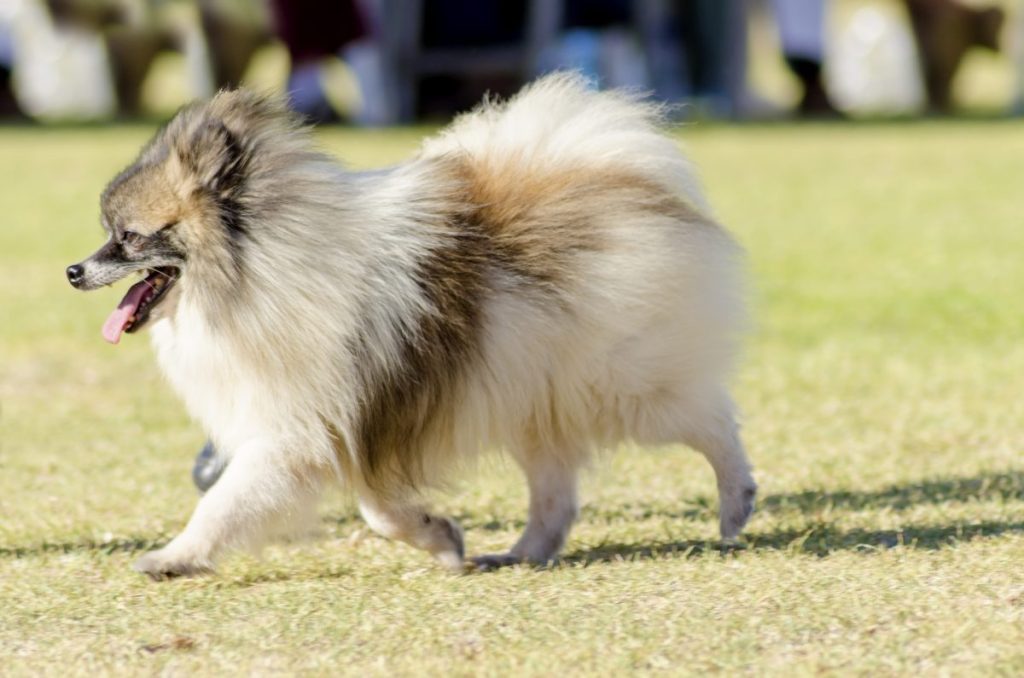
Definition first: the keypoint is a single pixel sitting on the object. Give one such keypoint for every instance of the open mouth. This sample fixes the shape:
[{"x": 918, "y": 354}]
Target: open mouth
[{"x": 134, "y": 309}]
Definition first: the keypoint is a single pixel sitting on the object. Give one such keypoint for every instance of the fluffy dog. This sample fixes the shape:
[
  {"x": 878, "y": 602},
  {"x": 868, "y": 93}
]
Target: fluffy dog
[{"x": 543, "y": 278}]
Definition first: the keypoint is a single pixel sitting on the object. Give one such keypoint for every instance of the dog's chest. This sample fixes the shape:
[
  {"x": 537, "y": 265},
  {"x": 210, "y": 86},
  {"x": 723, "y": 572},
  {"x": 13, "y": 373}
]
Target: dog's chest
[{"x": 215, "y": 391}]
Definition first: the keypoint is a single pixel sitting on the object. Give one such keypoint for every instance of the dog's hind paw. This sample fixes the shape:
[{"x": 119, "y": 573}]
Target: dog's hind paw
[
  {"x": 736, "y": 509},
  {"x": 163, "y": 564},
  {"x": 493, "y": 561}
]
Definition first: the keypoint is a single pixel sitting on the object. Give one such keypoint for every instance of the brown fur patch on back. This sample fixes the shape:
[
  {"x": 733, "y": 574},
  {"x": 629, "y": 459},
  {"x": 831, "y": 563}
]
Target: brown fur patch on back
[
  {"x": 511, "y": 220},
  {"x": 537, "y": 218}
]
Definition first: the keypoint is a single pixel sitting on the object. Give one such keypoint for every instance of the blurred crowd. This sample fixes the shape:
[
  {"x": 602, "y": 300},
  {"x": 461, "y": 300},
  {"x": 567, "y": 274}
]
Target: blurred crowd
[{"x": 378, "y": 62}]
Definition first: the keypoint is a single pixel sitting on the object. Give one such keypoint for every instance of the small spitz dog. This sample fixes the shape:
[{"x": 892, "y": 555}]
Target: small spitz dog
[{"x": 543, "y": 278}]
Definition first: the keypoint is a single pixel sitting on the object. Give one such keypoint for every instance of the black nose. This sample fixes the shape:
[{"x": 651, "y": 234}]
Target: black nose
[{"x": 76, "y": 272}]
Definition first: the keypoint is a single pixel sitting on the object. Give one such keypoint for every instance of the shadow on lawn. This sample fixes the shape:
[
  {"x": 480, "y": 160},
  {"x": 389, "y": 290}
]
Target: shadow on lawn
[
  {"x": 1006, "y": 486},
  {"x": 108, "y": 546},
  {"x": 817, "y": 540},
  {"x": 983, "y": 487},
  {"x": 820, "y": 538}
]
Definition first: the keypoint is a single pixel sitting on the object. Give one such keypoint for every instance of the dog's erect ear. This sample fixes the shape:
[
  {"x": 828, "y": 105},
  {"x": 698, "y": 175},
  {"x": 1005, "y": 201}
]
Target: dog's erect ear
[{"x": 216, "y": 157}]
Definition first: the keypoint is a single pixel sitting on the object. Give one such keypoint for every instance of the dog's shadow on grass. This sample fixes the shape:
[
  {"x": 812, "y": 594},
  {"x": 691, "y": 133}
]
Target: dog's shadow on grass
[
  {"x": 131, "y": 544},
  {"x": 983, "y": 487},
  {"x": 820, "y": 538}
]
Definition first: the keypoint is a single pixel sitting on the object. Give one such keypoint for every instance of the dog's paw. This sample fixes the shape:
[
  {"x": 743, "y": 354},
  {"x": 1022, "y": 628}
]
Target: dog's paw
[
  {"x": 736, "y": 509},
  {"x": 493, "y": 561},
  {"x": 451, "y": 553},
  {"x": 164, "y": 564}
]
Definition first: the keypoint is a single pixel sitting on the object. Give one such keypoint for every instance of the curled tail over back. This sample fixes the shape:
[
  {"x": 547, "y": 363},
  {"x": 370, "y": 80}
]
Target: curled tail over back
[{"x": 561, "y": 119}]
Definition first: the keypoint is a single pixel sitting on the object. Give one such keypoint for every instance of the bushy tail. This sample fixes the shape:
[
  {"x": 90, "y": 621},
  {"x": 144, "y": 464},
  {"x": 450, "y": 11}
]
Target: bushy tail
[{"x": 561, "y": 118}]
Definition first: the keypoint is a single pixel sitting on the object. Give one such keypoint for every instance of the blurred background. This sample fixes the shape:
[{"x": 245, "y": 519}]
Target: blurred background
[{"x": 385, "y": 62}]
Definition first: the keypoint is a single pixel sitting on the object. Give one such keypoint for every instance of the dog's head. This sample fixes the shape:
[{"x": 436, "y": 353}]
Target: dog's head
[{"x": 181, "y": 206}]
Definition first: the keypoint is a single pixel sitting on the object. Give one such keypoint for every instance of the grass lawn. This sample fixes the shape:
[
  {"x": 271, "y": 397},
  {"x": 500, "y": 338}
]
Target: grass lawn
[{"x": 883, "y": 391}]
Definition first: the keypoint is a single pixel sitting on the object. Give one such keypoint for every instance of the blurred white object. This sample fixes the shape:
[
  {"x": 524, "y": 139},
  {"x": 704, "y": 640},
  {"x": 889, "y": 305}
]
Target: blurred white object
[
  {"x": 872, "y": 68},
  {"x": 59, "y": 73}
]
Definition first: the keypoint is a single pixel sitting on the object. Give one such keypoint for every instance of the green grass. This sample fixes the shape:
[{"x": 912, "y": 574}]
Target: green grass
[{"x": 882, "y": 396}]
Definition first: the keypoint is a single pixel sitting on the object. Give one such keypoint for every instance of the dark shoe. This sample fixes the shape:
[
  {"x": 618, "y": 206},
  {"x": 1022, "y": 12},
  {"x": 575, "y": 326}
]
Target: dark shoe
[{"x": 815, "y": 102}]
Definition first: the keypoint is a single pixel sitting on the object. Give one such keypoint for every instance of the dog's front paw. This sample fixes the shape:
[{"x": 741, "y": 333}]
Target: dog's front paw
[
  {"x": 450, "y": 551},
  {"x": 166, "y": 563}
]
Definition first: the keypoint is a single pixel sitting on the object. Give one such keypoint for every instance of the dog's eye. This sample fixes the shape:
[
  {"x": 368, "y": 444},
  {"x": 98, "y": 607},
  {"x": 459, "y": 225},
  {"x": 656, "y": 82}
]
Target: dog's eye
[{"x": 132, "y": 239}]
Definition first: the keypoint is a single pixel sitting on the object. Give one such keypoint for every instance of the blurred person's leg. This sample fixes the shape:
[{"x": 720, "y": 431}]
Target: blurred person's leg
[
  {"x": 802, "y": 34},
  {"x": 234, "y": 30},
  {"x": 367, "y": 57},
  {"x": 313, "y": 31},
  {"x": 133, "y": 33},
  {"x": 1019, "y": 61},
  {"x": 465, "y": 27},
  {"x": 660, "y": 33},
  {"x": 715, "y": 36},
  {"x": 579, "y": 46},
  {"x": 742, "y": 100},
  {"x": 945, "y": 30},
  {"x": 8, "y": 103},
  {"x": 698, "y": 48},
  {"x": 93, "y": 14},
  {"x": 745, "y": 101},
  {"x": 376, "y": 103},
  {"x": 132, "y": 51}
]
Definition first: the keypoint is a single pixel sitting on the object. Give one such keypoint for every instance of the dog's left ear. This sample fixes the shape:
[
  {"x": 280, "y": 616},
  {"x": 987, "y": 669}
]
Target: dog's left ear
[{"x": 216, "y": 157}]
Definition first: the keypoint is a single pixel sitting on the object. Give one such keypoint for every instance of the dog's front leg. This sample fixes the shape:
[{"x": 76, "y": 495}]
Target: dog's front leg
[
  {"x": 262, "y": 486},
  {"x": 412, "y": 523}
]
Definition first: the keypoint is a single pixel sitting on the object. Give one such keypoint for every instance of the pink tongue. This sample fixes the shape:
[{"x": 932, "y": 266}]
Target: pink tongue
[{"x": 118, "y": 320}]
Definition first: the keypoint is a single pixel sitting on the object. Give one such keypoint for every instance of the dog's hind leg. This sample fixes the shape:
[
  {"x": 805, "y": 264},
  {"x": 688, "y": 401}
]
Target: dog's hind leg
[
  {"x": 711, "y": 429},
  {"x": 412, "y": 523},
  {"x": 552, "y": 480},
  {"x": 260, "y": 488}
]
